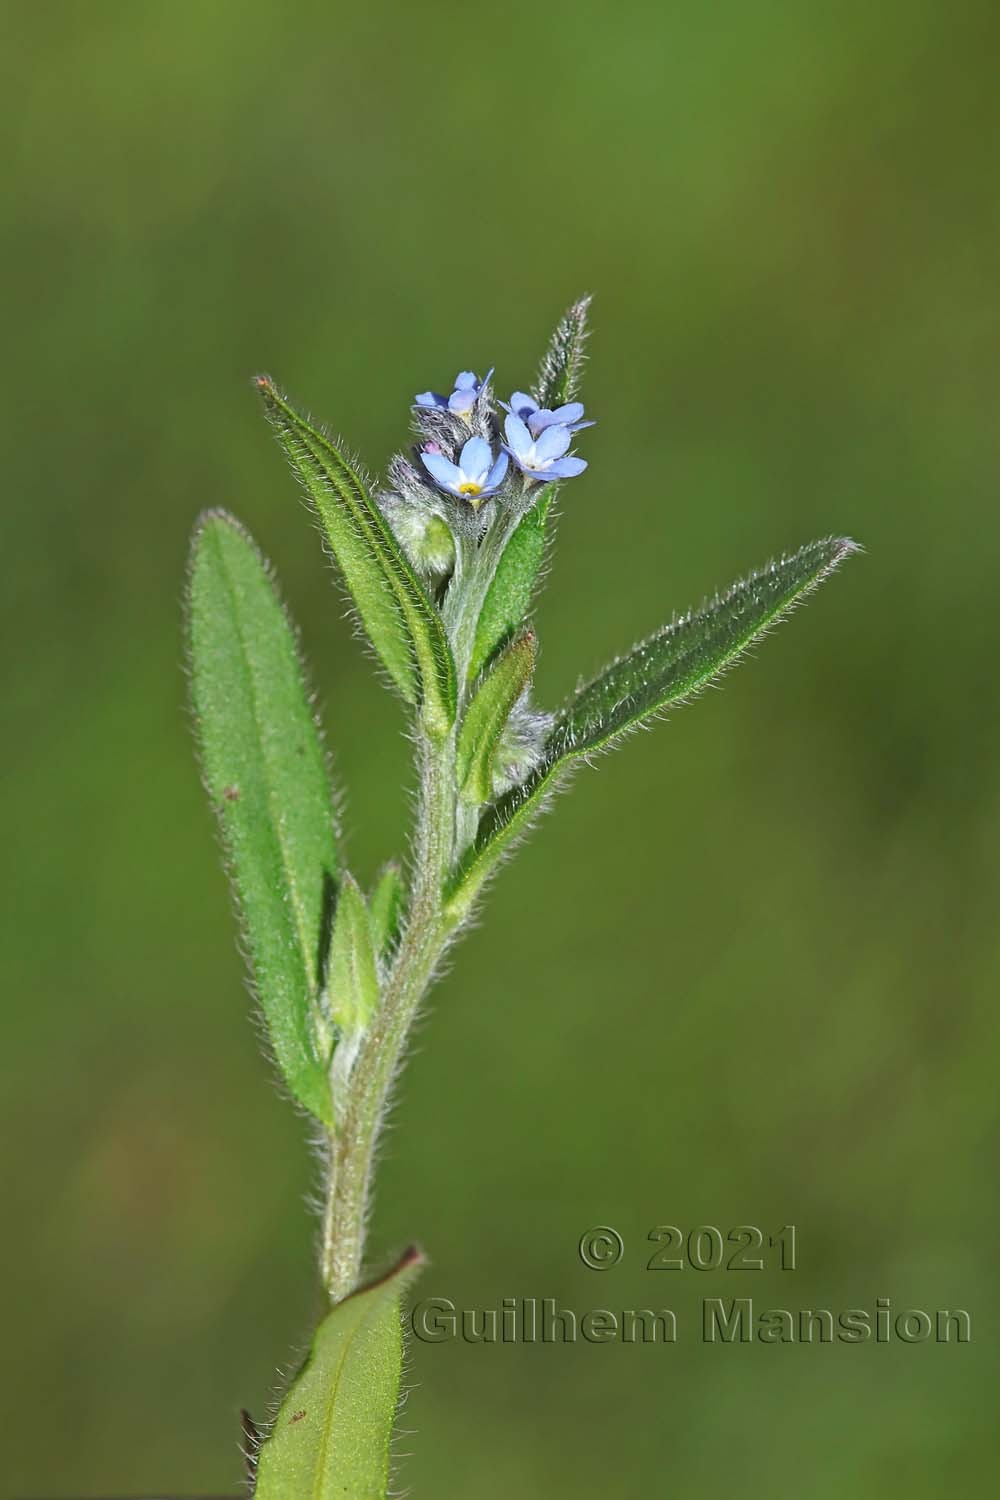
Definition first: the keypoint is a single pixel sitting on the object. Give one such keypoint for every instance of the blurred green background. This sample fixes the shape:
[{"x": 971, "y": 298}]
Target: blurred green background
[{"x": 747, "y": 971}]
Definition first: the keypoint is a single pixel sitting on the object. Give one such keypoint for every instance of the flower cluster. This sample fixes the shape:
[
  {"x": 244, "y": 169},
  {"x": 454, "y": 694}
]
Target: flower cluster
[
  {"x": 535, "y": 438},
  {"x": 462, "y": 399}
]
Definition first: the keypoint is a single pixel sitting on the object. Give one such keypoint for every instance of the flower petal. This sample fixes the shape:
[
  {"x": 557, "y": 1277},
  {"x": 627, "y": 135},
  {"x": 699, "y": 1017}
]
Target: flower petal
[
  {"x": 466, "y": 381},
  {"x": 430, "y": 398},
  {"x": 553, "y": 443},
  {"x": 461, "y": 402},
  {"x": 571, "y": 412},
  {"x": 518, "y": 435},
  {"x": 495, "y": 477},
  {"x": 565, "y": 468},
  {"x": 475, "y": 459},
  {"x": 442, "y": 469},
  {"x": 522, "y": 405}
]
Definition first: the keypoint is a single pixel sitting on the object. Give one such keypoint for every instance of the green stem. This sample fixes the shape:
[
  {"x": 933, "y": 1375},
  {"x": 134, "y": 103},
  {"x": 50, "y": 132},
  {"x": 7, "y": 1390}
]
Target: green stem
[
  {"x": 444, "y": 828},
  {"x": 424, "y": 939}
]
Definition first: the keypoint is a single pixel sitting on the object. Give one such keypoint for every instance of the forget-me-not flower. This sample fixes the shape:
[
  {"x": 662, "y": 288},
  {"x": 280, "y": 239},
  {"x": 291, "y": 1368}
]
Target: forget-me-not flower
[
  {"x": 476, "y": 476},
  {"x": 545, "y": 456},
  {"x": 536, "y": 418},
  {"x": 462, "y": 399}
]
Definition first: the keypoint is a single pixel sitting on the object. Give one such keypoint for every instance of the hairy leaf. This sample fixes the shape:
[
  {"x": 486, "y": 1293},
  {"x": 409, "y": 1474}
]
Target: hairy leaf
[
  {"x": 508, "y": 597},
  {"x": 267, "y": 779},
  {"x": 385, "y": 907},
  {"x": 663, "y": 670},
  {"x": 352, "y": 978},
  {"x": 396, "y": 610},
  {"x": 558, "y": 378},
  {"x": 331, "y": 1438},
  {"x": 487, "y": 715}
]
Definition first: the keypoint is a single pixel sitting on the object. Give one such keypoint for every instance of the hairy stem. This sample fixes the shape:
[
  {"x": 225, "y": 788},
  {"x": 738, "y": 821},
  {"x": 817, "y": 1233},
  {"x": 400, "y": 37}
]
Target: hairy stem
[
  {"x": 444, "y": 828},
  {"x": 423, "y": 941}
]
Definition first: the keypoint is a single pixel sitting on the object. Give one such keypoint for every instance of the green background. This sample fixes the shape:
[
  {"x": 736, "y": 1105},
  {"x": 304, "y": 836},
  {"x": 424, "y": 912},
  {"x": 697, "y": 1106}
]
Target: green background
[{"x": 747, "y": 970}]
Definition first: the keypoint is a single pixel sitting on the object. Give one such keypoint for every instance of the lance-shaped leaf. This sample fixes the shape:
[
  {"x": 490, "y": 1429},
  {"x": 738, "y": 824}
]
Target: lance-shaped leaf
[
  {"x": 559, "y": 373},
  {"x": 486, "y": 717},
  {"x": 670, "y": 666},
  {"x": 395, "y": 608},
  {"x": 332, "y": 1435},
  {"x": 352, "y": 977},
  {"x": 266, "y": 775},
  {"x": 385, "y": 907},
  {"x": 509, "y": 595}
]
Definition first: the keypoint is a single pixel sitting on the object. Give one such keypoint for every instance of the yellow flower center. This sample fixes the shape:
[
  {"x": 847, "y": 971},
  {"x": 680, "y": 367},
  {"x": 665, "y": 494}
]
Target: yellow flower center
[{"x": 470, "y": 488}]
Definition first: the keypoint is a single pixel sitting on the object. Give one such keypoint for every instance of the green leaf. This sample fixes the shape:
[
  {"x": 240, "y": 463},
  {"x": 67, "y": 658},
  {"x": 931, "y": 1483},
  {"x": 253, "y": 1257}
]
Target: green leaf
[
  {"x": 487, "y": 715},
  {"x": 266, "y": 776},
  {"x": 672, "y": 665},
  {"x": 385, "y": 907},
  {"x": 396, "y": 610},
  {"x": 508, "y": 597},
  {"x": 331, "y": 1438},
  {"x": 352, "y": 978},
  {"x": 558, "y": 378}
]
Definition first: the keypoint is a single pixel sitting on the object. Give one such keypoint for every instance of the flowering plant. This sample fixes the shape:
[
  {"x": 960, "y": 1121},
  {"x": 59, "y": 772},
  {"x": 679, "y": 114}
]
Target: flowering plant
[{"x": 441, "y": 566}]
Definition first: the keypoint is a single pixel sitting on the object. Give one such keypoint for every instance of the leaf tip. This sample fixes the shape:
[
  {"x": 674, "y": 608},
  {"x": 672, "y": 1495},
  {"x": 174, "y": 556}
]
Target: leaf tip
[
  {"x": 411, "y": 1258},
  {"x": 403, "y": 1270}
]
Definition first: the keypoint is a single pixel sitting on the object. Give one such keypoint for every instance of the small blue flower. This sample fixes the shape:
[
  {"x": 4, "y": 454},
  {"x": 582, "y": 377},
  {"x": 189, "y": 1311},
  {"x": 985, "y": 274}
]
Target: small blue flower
[
  {"x": 476, "y": 476},
  {"x": 463, "y": 397},
  {"x": 537, "y": 418},
  {"x": 544, "y": 457}
]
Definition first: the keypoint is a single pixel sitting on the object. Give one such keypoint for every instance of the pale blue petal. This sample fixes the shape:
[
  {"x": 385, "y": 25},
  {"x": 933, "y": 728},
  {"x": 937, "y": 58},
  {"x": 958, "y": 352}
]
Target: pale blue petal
[
  {"x": 461, "y": 402},
  {"x": 466, "y": 381},
  {"x": 496, "y": 475},
  {"x": 553, "y": 443},
  {"x": 565, "y": 468},
  {"x": 518, "y": 435},
  {"x": 522, "y": 405},
  {"x": 571, "y": 412},
  {"x": 430, "y": 398},
  {"x": 476, "y": 457},
  {"x": 442, "y": 469}
]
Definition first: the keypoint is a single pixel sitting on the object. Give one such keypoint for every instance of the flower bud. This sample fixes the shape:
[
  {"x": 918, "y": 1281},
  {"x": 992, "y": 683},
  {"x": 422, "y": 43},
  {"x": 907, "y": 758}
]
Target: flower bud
[{"x": 425, "y": 537}]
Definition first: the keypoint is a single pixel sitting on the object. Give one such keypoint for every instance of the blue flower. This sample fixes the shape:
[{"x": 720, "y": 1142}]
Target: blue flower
[
  {"x": 543, "y": 457},
  {"x": 476, "y": 476},
  {"x": 463, "y": 397},
  {"x": 537, "y": 418}
]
